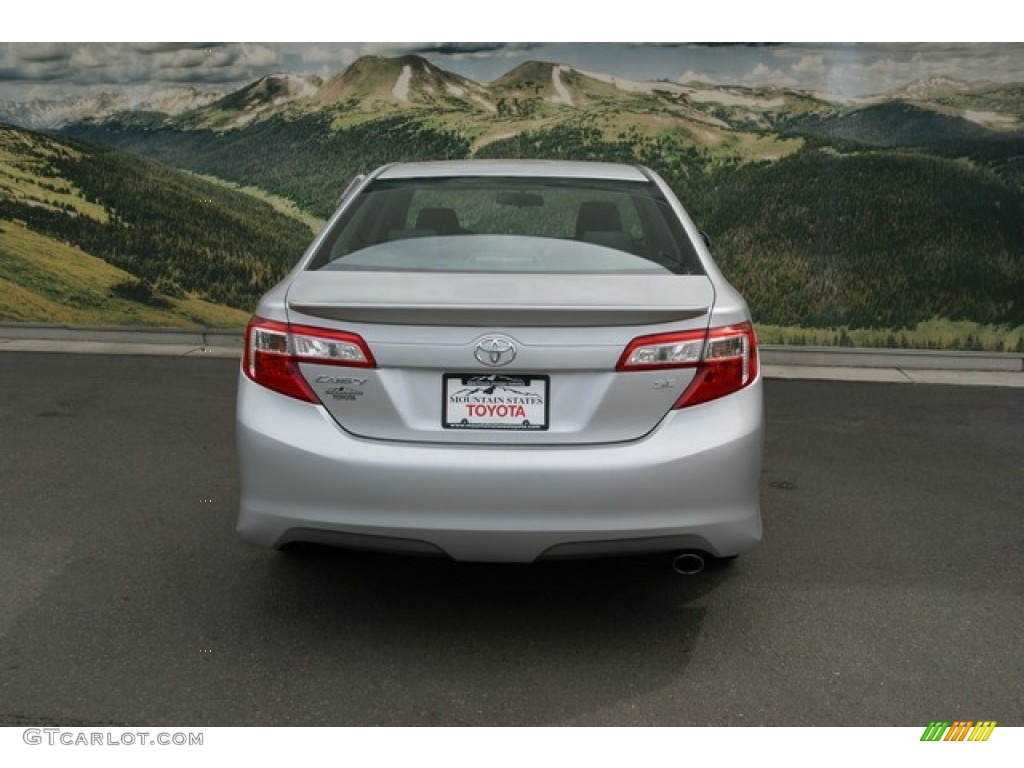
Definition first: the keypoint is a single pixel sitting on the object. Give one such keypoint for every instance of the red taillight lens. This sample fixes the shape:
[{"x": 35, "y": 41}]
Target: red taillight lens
[
  {"x": 273, "y": 351},
  {"x": 729, "y": 364},
  {"x": 725, "y": 359}
]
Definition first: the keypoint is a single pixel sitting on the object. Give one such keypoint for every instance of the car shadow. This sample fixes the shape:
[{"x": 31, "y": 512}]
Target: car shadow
[{"x": 485, "y": 644}]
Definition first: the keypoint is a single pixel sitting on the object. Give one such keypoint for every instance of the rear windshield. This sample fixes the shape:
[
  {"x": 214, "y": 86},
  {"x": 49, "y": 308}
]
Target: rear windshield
[{"x": 577, "y": 226}]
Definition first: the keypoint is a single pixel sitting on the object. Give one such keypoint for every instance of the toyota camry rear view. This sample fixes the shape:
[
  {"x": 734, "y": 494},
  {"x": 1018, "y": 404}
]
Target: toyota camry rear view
[{"x": 503, "y": 361}]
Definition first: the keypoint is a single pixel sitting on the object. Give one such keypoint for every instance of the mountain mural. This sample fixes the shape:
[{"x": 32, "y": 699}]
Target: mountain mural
[
  {"x": 881, "y": 212},
  {"x": 372, "y": 84}
]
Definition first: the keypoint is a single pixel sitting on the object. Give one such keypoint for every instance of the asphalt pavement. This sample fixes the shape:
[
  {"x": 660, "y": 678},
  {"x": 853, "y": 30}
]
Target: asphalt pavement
[{"x": 887, "y": 590}]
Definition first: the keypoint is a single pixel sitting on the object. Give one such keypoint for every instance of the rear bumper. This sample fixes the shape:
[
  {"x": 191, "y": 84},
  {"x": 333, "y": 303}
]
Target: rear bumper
[{"x": 691, "y": 483}]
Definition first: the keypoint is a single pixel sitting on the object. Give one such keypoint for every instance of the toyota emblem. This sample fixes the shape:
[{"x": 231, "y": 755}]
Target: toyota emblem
[{"x": 495, "y": 350}]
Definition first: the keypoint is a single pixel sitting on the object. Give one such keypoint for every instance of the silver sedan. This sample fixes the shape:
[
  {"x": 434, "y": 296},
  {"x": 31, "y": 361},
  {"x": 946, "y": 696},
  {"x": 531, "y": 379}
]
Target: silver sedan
[{"x": 503, "y": 361}]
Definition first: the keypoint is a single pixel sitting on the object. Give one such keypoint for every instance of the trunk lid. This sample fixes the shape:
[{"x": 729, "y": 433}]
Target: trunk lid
[{"x": 510, "y": 359}]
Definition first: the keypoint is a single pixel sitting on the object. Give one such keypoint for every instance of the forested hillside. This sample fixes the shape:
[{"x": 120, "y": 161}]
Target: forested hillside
[
  {"x": 855, "y": 235},
  {"x": 890, "y": 125},
  {"x": 301, "y": 159},
  {"x": 873, "y": 240},
  {"x": 175, "y": 233}
]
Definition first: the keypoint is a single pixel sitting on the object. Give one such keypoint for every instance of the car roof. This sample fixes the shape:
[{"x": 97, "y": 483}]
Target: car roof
[{"x": 562, "y": 169}]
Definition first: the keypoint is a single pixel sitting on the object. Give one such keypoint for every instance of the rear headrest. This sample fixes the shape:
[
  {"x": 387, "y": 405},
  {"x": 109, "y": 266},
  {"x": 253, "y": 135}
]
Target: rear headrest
[
  {"x": 441, "y": 220},
  {"x": 596, "y": 216}
]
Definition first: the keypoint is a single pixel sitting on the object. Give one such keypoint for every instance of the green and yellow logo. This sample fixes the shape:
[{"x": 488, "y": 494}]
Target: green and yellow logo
[{"x": 960, "y": 730}]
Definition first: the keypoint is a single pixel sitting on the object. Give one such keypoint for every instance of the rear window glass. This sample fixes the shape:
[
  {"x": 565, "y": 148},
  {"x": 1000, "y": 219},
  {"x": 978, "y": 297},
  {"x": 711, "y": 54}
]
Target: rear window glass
[{"x": 509, "y": 225}]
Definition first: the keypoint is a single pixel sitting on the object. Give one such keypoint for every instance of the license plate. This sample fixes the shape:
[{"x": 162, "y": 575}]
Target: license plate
[{"x": 493, "y": 401}]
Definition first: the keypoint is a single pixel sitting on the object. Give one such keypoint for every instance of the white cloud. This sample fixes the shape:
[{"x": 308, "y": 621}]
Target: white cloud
[
  {"x": 762, "y": 75},
  {"x": 186, "y": 58},
  {"x": 39, "y": 52},
  {"x": 86, "y": 57},
  {"x": 318, "y": 55},
  {"x": 254, "y": 55},
  {"x": 811, "y": 64},
  {"x": 689, "y": 76}
]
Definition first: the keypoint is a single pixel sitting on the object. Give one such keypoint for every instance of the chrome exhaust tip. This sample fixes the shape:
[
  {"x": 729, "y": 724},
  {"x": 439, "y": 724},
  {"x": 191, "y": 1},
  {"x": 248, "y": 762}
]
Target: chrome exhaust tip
[{"x": 688, "y": 563}]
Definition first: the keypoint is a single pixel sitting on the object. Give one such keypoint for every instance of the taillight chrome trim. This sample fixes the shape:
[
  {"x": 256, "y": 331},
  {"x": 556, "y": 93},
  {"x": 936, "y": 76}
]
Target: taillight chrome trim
[
  {"x": 330, "y": 335},
  {"x": 280, "y": 365},
  {"x": 662, "y": 341}
]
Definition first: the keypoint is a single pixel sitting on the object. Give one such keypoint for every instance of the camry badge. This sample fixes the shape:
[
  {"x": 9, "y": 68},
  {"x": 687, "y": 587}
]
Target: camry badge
[{"x": 495, "y": 350}]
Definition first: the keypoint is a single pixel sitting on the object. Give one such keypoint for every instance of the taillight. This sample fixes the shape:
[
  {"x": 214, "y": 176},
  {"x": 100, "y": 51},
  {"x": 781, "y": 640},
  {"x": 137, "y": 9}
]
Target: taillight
[
  {"x": 273, "y": 351},
  {"x": 725, "y": 359}
]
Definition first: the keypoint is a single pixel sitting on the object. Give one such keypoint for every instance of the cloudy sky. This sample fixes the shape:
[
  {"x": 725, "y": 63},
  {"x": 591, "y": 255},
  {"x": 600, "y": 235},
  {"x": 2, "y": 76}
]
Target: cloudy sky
[{"x": 55, "y": 70}]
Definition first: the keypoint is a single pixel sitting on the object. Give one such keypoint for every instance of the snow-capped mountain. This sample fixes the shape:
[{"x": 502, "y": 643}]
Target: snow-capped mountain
[
  {"x": 264, "y": 97},
  {"x": 375, "y": 81},
  {"x": 931, "y": 87},
  {"x": 44, "y": 113},
  {"x": 174, "y": 101},
  {"x": 47, "y": 114},
  {"x": 375, "y": 85}
]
